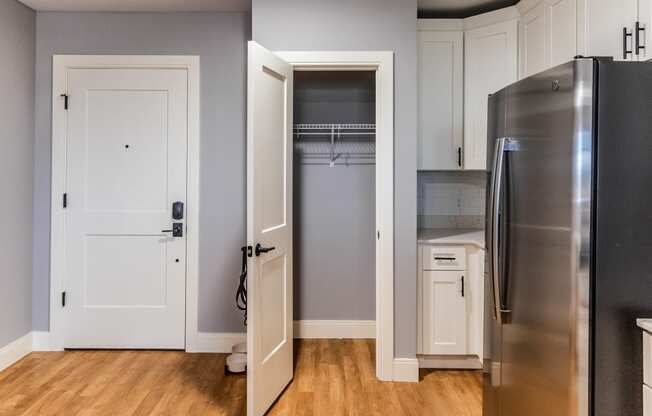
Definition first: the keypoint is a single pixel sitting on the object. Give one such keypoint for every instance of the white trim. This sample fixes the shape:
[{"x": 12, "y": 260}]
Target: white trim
[
  {"x": 328, "y": 329},
  {"x": 490, "y": 18},
  {"x": 453, "y": 362},
  {"x": 406, "y": 369},
  {"x": 473, "y": 22},
  {"x": 525, "y": 6},
  {"x": 218, "y": 342},
  {"x": 41, "y": 341},
  {"x": 440, "y": 25},
  {"x": 382, "y": 63},
  {"x": 60, "y": 65},
  {"x": 11, "y": 353}
]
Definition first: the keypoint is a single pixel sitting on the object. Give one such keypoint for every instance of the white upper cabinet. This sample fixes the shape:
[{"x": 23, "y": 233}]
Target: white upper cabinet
[
  {"x": 547, "y": 36},
  {"x": 603, "y": 23},
  {"x": 440, "y": 93},
  {"x": 491, "y": 63},
  {"x": 533, "y": 42},
  {"x": 562, "y": 15}
]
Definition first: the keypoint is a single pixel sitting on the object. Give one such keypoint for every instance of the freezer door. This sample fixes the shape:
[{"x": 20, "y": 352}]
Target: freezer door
[
  {"x": 539, "y": 330},
  {"x": 492, "y": 328}
]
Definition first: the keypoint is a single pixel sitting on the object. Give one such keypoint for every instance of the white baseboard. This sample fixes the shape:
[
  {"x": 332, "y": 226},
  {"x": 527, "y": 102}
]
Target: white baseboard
[
  {"x": 41, "y": 341},
  {"x": 451, "y": 362},
  {"x": 335, "y": 329},
  {"x": 16, "y": 350},
  {"x": 406, "y": 369},
  {"x": 220, "y": 342}
]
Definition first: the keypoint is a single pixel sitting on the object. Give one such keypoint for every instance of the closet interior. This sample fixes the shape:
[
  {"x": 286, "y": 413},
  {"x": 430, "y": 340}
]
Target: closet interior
[{"x": 334, "y": 195}]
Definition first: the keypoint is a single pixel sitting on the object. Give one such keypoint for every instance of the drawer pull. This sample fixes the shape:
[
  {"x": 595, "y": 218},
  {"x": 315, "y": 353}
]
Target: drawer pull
[{"x": 446, "y": 258}]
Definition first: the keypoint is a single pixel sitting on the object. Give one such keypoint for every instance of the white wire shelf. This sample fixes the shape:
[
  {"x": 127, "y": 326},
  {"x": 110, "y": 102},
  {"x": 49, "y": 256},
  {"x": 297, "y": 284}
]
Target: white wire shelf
[
  {"x": 335, "y": 144},
  {"x": 334, "y": 129}
]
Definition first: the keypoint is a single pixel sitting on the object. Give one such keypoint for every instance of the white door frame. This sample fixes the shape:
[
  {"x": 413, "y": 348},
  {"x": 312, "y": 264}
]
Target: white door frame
[
  {"x": 60, "y": 66},
  {"x": 382, "y": 63}
]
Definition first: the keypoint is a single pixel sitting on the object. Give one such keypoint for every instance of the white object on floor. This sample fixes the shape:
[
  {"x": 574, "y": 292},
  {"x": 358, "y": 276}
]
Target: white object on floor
[{"x": 237, "y": 361}]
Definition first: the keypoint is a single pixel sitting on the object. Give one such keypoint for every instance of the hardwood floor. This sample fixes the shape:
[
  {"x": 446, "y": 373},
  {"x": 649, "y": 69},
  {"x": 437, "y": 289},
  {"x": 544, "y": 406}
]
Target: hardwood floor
[{"x": 332, "y": 377}]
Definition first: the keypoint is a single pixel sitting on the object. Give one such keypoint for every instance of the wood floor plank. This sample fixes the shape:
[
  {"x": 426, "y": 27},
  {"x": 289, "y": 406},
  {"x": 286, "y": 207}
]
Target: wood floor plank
[{"x": 332, "y": 378}]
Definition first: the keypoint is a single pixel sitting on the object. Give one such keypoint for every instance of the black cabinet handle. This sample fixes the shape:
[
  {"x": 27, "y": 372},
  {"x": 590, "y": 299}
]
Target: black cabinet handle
[
  {"x": 625, "y": 36},
  {"x": 637, "y": 38},
  {"x": 459, "y": 156},
  {"x": 260, "y": 249},
  {"x": 462, "y": 286}
]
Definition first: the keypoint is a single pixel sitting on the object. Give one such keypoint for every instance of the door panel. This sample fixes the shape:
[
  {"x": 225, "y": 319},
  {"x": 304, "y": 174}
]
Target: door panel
[
  {"x": 491, "y": 63},
  {"x": 605, "y": 21},
  {"x": 535, "y": 47},
  {"x": 445, "y": 320},
  {"x": 537, "y": 364},
  {"x": 563, "y": 31},
  {"x": 269, "y": 223},
  {"x": 492, "y": 352},
  {"x": 441, "y": 86},
  {"x": 126, "y": 165}
]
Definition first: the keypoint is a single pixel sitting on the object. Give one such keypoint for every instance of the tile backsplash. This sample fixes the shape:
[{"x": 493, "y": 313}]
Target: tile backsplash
[{"x": 451, "y": 199}]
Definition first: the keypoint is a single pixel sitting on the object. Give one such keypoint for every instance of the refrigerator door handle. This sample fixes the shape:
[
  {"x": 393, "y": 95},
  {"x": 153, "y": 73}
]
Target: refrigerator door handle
[{"x": 495, "y": 197}]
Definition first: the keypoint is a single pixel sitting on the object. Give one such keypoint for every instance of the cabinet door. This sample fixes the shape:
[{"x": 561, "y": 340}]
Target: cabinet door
[
  {"x": 440, "y": 124},
  {"x": 547, "y": 36},
  {"x": 533, "y": 41},
  {"x": 491, "y": 63},
  {"x": 444, "y": 312},
  {"x": 602, "y": 24},
  {"x": 562, "y": 30}
]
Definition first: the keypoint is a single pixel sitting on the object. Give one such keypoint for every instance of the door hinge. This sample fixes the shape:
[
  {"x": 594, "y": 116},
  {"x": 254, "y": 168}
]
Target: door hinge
[
  {"x": 63, "y": 299},
  {"x": 65, "y": 200},
  {"x": 65, "y": 101}
]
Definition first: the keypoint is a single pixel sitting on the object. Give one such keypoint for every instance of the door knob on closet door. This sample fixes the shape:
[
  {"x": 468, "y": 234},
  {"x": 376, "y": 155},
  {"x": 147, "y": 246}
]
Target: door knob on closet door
[{"x": 260, "y": 249}]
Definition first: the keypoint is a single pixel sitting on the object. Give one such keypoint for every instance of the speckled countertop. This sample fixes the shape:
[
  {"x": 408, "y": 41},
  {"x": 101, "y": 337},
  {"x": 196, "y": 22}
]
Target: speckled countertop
[{"x": 457, "y": 236}]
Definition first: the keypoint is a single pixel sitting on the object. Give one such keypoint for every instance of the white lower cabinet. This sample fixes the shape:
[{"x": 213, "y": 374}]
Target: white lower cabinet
[
  {"x": 444, "y": 318},
  {"x": 450, "y": 306},
  {"x": 647, "y": 401}
]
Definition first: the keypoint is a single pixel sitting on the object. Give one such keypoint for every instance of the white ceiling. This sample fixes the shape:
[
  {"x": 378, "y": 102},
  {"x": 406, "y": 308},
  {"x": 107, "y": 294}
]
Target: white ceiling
[{"x": 139, "y": 5}]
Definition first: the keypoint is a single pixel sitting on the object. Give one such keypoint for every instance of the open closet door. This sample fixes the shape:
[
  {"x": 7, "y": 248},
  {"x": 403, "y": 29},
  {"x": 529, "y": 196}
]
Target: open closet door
[{"x": 269, "y": 228}]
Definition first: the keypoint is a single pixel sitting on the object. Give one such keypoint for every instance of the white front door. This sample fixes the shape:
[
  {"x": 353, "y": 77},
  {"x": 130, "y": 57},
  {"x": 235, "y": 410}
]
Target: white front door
[
  {"x": 269, "y": 224},
  {"x": 126, "y": 166}
]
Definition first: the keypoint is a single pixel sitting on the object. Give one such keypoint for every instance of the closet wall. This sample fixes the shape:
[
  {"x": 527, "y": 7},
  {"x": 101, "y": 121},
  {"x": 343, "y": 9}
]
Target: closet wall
[{"x": 334, "y": 207}]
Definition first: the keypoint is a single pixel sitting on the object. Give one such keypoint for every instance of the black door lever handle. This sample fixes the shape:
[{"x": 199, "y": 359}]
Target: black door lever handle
[
  {"x": 177, "y": 229},
  {"x": 260, "y": 249}
]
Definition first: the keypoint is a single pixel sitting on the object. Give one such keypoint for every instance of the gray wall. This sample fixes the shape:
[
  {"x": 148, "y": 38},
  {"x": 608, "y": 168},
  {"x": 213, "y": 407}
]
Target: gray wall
[
  {"x": 366, "y": 25},
  {"x": 220, "y": 40},
  {"x": 16, "y": 166},
  {"x": 334, "y": 221}
]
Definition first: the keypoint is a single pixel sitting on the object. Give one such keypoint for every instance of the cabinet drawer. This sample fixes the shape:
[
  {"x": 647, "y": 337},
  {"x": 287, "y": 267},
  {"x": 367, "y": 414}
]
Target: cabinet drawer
[
  {"x": 444, "y": 258},
  {"x": 647, "y": 358},
  {"x": 647, "y": 401}
]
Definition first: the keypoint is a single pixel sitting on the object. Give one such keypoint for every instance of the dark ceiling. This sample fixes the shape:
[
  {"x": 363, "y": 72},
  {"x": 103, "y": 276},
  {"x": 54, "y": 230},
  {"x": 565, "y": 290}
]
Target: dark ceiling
[{"x": 459, "y": 8}]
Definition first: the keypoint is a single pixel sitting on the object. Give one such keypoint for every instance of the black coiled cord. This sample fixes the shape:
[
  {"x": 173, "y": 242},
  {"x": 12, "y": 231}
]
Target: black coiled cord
[{"x": 241, "y": 294}]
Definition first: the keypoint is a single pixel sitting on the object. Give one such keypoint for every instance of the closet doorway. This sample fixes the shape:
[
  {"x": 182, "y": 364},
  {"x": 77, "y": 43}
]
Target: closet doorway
[{"x": 302, "y": 146}]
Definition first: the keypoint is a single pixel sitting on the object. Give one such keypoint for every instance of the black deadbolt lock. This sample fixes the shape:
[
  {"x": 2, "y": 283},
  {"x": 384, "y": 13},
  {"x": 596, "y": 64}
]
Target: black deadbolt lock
[{"x": 177, "y": 210}]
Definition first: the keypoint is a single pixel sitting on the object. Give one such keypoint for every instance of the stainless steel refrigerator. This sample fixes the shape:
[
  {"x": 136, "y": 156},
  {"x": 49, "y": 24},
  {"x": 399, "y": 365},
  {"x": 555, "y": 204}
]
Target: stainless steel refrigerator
[{"x": 569, "y": 241}]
